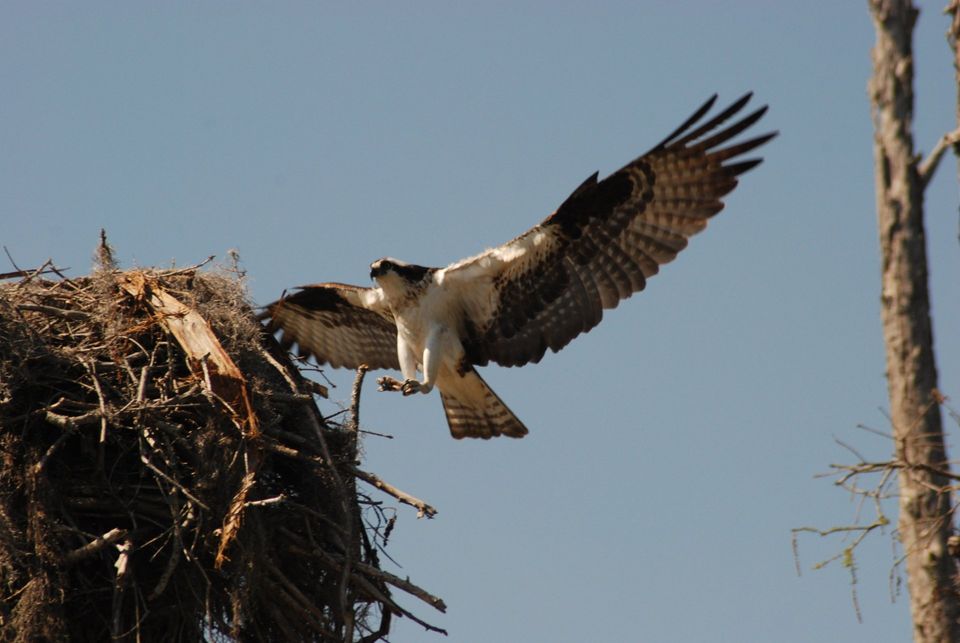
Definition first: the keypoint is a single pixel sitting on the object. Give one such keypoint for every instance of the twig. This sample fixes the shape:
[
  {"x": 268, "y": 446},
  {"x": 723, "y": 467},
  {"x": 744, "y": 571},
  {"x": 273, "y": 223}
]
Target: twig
[
  {"x": 385, "y": 600},
  {"x": 266, "y": 502},
  {"x": 172, "y": 562},
  {"x": 433, "y": 601},
  {"x": 846, "y": 554},
  {"x": 92, "y": 369},
  {"x": 142, "y": 383},
  {"x": 95, "y": 546},
  {"x": 43, "y": 270},
  {"x": 848, "y": 448},
  {"x": 120, "y": 584},
  {"x": 294, "y": 398},
  {"x": 51, "y": 310},
  {"x": 379, "y": 435},
  {"x": 874, "y": 467},
  {"x": 267, "y": 442},
  {"x": 286, "y": 436},
  {"x": 28, "y": 275},
  {"x": 42, "y": 463},
  {"x": 280, "y": 368},
  {"x": 385, "y": 616},
  {"x": 146, "y": 462},
  {"x": 405, "y": 585},
  {"x": 870, "y": 429},
  {"x": 71, "y": 422},
  {"x": 882, "y": 521},
  {"x": 57, "y": 271},
  {"x": 189, "y": 269},
  {"x": 423, "y": 509},
  {"x": 12, "y": 262}
]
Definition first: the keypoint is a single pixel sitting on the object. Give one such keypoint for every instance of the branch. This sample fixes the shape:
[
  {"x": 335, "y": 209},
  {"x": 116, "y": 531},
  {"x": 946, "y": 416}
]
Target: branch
[
  {"x": 46, "y": 268},
  {"x": 363, "y": 579},
  {"x": 874, "y": 467},
  {"x": 355, "y": 398},
  {"x": 71, "y": 422},
  {"x": 97, "y": 544},
  {"x": 423, "y": 508},
  {"x": 928, "y": 166},
  {"x": 51, "y": 310},
  {"x": 404, "y": 584},
  {"x": 881, "y": 521}
]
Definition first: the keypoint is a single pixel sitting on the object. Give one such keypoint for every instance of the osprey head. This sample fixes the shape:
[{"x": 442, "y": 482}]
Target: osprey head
[{"x": 407, "y": 272}]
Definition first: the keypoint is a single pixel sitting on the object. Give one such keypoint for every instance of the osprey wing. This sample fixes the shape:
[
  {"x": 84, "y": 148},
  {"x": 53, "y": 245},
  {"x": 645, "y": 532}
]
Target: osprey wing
[
  {"x": 337, "y": 324},
  {"x": 552, "y": 283}
]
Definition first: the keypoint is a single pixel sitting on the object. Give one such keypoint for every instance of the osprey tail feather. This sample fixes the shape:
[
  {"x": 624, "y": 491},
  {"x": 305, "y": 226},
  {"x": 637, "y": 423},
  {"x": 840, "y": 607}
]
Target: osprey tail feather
[{"x": 474, "y": 411}]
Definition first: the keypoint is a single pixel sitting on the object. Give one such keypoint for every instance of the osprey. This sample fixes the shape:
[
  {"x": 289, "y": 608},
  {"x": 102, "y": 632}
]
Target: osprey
[{"x": 511, "y": 303}]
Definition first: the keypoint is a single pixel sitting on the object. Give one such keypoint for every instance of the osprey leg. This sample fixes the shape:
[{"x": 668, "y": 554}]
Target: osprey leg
[
  {"x": 437, "y": 346},
  {"x": 408, "y": 366}
]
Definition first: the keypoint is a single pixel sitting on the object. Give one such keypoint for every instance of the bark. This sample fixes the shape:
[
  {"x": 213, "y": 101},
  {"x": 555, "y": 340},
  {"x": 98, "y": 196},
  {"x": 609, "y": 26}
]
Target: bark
[
  {"x": 953, "y": 37},
  {"x": 925, "y": 516}
]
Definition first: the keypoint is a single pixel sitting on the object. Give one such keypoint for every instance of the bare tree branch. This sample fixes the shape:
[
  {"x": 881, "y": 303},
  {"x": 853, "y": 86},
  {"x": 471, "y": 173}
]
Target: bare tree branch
[
  {"x": 928, "y": 166},
  {"x": 94, "y": 546},
  {"x": 423, "y": 508}
]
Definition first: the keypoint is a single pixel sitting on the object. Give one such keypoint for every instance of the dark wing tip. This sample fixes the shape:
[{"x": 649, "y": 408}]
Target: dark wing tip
[
  {"x": 685, "y": 134},
  {"x": 696, "y": 116},
  {"x": 736, "y": 169},
  {"x": 586, "y": 185},
  {"x": 760, "y": 140}
]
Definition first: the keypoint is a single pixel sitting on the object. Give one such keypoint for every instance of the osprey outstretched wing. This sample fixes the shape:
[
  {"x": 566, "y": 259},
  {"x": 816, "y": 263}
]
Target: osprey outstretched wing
[
  {"x": 511, "y": 303},
  {"x": 337, "y": 324}
]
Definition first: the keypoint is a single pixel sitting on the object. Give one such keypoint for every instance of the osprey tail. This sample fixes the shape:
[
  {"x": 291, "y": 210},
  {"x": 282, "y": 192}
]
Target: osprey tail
[{"x": 474, "y": 410}]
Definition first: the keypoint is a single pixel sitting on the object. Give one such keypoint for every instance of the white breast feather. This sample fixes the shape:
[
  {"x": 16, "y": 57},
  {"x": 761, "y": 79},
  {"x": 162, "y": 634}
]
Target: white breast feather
[{"x": 471, "y": 280}]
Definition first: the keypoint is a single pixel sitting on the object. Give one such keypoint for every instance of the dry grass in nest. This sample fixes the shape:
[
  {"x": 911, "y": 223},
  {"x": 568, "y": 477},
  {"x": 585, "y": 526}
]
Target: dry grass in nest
[{"x": 155, "y": 489}]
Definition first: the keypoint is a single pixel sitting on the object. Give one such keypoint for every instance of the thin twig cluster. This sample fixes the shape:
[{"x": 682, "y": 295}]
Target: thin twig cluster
[{"x": 872, "y": 482}]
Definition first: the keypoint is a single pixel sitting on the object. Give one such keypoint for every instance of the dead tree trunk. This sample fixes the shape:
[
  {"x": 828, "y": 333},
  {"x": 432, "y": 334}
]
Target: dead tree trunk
[{"x": 925, "y": 516}]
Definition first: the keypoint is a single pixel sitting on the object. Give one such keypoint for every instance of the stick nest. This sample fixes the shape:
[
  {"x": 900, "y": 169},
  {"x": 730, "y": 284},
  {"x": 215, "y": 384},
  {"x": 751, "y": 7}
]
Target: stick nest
[{"x": 155, "y": 489}]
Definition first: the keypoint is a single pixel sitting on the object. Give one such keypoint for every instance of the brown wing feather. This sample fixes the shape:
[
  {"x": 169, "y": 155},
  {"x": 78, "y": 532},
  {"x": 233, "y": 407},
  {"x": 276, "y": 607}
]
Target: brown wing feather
[
  {"x": 333, "y": 324},
  {"x": 604, "y": 241}
]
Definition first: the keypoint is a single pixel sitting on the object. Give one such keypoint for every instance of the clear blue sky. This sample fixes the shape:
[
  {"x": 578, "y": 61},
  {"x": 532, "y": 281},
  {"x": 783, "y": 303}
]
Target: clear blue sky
[{"x": 674, "y": 447}]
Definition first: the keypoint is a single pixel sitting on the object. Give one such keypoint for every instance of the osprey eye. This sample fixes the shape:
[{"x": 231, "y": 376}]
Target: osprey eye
[{"x": 380, "y": 268}]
